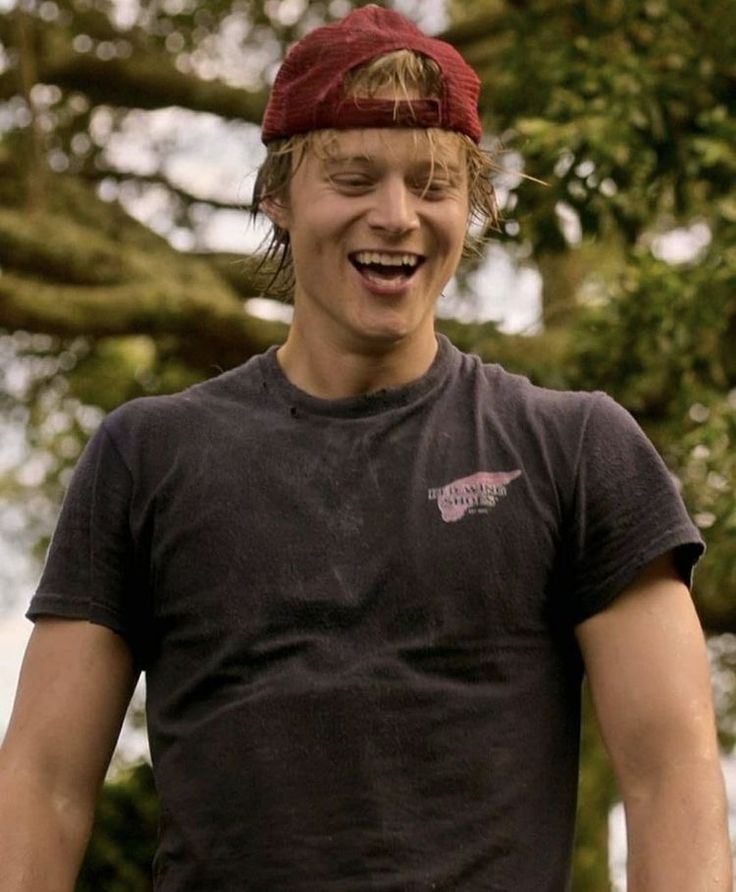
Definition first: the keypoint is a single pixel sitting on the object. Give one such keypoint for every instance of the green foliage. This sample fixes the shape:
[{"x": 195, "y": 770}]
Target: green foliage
[
  {"x": 48, "y": 245},
  {"x": 120, "y": 853},
  {"x": 663, "y": 346},
  {"x": 116, "y": 370},
  {"x": 705, "y": 456},
  {"x": 660, "y": 338},
  {"x": 625, "y": 108},
  {"x": 596, "y": 795},
  {"x": 542, "y": 359}
]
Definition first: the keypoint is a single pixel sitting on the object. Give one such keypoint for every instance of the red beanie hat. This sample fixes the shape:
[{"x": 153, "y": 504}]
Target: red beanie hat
[{"x": 308, "y": 91}]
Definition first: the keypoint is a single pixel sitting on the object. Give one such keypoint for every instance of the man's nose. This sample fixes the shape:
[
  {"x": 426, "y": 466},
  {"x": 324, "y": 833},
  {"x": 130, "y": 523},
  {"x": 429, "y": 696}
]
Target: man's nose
[{"x": 394, "y": 208}]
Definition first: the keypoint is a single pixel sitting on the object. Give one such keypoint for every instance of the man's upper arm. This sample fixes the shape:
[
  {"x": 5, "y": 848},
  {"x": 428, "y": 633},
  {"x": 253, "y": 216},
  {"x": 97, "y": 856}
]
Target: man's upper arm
[
  {"x": 648, "y": 670},
  {"x": 74, "y": 687}
]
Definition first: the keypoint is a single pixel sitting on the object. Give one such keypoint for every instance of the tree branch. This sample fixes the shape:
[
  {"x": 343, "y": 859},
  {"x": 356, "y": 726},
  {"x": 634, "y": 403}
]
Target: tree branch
[
  {"x": 210, "y": 321},
  {"x": 35, "y": 166},
  {"x": 148, "y": 79},
  {"x": 478, "y": 28},
  {"x": 96, "y": 174}
]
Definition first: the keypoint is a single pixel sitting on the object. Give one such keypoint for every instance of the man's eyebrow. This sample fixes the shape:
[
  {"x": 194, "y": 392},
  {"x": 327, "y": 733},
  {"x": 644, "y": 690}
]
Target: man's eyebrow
[
  {"x": 337, "y": 160},
  {"x": 450, "y": 167}
]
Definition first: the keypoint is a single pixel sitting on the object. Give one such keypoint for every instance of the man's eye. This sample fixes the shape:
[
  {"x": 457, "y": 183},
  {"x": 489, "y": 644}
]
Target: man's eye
[
  {"x": 351, "y": 182},
  {"x": 433, "y": 188}
]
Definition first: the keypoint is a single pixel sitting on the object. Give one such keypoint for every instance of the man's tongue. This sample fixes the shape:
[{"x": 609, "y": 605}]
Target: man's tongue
[
  {"x": 383, "y": 272},
  {"x": 380, "y": 272}
]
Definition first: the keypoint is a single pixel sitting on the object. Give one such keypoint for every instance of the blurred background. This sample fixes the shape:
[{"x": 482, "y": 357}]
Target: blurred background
[{"x": 128, "y": 142}]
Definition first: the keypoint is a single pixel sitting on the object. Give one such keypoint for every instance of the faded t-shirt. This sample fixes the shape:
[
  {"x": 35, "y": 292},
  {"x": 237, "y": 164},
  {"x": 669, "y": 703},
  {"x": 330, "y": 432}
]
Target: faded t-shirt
[{"x": 357, "y": 617}]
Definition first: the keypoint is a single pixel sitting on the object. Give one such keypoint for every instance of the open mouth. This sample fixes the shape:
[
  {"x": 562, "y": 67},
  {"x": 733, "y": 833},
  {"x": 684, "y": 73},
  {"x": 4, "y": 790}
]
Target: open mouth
[{"x": 380, "y": 266}]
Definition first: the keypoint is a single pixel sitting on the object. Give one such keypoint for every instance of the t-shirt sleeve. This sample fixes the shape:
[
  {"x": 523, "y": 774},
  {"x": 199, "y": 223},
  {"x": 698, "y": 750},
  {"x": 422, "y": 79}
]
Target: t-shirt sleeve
[
  {"x": 92, "y": 570},
  {"x": 626, "y": 511}
]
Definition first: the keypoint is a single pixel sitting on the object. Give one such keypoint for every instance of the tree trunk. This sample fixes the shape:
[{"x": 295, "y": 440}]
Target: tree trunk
[{"x": 34, "y": 164}]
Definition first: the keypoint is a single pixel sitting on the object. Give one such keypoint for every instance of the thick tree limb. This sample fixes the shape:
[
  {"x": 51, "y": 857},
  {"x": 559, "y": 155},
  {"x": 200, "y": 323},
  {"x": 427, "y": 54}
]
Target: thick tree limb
[
  {"x": 147, "y": 79},
  {"x": 198, "y": 309},
  {"x": 187, "y": 197},
  {"x": 59, "y": 249},
  {"x": 150, "y": 81},
  {"x": 465, "y": 34}
]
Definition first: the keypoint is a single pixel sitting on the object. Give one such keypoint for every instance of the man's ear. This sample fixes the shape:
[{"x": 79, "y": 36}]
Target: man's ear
[{"x": 276, "y": 211}]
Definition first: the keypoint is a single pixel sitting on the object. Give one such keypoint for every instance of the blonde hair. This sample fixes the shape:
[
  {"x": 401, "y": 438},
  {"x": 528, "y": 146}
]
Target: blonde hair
[{"x": 405, "y": 75}]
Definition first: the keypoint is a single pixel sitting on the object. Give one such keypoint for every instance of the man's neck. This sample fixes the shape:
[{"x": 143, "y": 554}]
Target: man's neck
[{"x": 333, "y": 372}]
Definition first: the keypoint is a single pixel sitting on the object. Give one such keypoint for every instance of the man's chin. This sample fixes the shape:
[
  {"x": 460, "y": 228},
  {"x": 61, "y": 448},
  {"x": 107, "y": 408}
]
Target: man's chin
[{"x": 385, "y": 338}]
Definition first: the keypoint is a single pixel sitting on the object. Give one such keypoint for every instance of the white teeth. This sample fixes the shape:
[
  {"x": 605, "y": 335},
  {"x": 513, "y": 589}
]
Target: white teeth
[{"x": 386, "y": 259}]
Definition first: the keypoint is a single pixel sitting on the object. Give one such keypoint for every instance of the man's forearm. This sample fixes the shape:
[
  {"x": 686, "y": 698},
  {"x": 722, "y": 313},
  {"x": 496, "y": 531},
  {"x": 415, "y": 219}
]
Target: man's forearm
[
  {"x": 677, "y": 829},
  {"x": 42, "y": 839}
]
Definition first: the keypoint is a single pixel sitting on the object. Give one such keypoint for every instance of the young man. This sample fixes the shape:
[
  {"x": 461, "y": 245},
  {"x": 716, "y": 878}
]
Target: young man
[{"x": 363, "y": 572}]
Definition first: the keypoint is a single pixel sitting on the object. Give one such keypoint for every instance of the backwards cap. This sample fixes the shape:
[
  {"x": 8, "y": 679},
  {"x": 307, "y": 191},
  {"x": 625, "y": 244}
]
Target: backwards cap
[{"x": 308, "y": 93}]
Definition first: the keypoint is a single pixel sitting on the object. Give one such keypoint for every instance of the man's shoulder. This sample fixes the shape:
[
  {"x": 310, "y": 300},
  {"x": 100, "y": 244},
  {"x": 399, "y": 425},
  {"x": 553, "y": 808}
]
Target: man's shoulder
[
  {"x": 194, "y": 411},
  {"x": 511, "y": 393}
]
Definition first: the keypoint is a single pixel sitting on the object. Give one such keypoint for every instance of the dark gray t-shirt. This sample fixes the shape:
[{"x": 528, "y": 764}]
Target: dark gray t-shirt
[{"x": 357, "y": 617}]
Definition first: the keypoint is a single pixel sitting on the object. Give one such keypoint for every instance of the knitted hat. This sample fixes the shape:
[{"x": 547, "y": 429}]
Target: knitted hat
[{"x": 308, "y": 92}]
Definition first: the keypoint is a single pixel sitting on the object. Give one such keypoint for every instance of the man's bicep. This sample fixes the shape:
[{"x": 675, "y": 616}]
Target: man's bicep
[
  {"x": 74, "y": 687},
  {"x": 648, "y": 670}
]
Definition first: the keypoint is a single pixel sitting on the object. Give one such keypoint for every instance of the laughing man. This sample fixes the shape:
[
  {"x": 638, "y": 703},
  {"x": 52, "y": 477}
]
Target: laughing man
[{"x": 364, "y": 572}]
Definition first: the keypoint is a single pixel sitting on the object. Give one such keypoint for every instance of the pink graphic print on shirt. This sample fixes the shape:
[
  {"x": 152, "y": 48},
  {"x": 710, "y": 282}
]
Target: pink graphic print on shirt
[{"x": 471, "y": 495}]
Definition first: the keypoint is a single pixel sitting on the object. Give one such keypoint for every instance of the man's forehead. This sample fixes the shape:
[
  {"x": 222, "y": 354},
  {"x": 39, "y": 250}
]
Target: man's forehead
[{"x": 381, "y": 145}]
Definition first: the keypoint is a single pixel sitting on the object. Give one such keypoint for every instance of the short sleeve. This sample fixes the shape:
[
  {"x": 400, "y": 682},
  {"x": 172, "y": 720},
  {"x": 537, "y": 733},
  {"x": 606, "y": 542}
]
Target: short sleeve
[
  {"x": 626, "y": 511},
  {"x": 92, "y": 569}
]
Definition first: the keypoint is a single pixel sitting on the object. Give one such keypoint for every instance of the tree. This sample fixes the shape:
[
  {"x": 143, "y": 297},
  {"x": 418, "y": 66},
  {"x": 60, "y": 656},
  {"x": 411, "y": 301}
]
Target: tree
[
  {"x": 119, "y": 856},
  {"x": 626, "y": 111}
]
